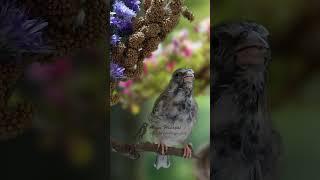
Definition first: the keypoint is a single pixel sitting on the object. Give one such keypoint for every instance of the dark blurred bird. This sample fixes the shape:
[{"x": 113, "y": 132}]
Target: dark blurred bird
[
  {"x": 173, "y": 115},
  {"x": 245, "y": 146}
]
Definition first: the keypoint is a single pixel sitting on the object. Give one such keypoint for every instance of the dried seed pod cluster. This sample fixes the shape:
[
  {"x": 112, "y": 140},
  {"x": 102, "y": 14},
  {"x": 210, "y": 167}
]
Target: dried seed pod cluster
[
  {"x": 9, "y": 74},
  {"x": 14, "y": 121},
  {"x": 72, "y": 24},
  {"x": 20, "y": 35},
  {"x": 149, "y": 30}
]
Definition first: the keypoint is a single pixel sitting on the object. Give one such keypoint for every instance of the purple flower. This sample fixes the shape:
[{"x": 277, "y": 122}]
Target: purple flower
[
  {"x": 122, "y": 25},
  {"x": 123, "y": 11},
  {"x": 18, "y": 32},
  {"x": 121, "y": 22},
  {"x": 116, "y": 71},
  {"x": 133, "y": 4},
  {"x": 115, "y": 39},
  {"x": 114, "y": 21}
]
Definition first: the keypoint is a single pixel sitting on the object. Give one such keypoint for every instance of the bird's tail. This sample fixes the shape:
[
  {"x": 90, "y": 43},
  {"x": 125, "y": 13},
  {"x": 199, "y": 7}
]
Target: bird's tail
[{"x": 162, "y": 161}]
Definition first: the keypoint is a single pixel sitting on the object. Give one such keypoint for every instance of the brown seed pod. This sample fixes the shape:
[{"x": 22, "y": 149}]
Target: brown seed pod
[
  {"x": 151, "y": 45},
  {"x": 169, "y": 23},
  {"x": 114, "y": 99},
  {"x": 15, "y": 121},
  {"x": 155, "y": 12},
  {"x": 135, "y": 40},
  {"x": 118, "y": 53},
  {"x": 138, "y": 23},
  {"x": 132, "y": 58},
  {"x": 146, "y": 4},
  {"x": 176, "y": 7},
  {"x": 188, "y": 14},
  {"x": 10, "y": 72},
  {"x": 151, "y": 30}
]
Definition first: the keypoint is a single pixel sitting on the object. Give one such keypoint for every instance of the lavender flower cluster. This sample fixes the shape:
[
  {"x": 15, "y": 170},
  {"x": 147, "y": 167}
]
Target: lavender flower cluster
[
  {"x": 121, "y": 20},
  {"x": 18, "y": 32}
]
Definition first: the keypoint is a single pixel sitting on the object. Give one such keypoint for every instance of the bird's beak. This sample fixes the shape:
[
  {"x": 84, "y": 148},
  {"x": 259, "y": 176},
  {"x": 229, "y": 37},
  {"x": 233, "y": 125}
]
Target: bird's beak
[{"x": 189, "y": 77}]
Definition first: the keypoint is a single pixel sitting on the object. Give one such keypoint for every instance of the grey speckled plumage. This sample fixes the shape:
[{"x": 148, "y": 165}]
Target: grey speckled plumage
[
  {"x": 174, "y": 113},
  {"x": 245, "y": 146}
]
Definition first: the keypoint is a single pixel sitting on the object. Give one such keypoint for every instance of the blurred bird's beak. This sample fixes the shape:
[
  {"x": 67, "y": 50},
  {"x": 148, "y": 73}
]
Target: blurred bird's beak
[{"x": 252, "y": 50}]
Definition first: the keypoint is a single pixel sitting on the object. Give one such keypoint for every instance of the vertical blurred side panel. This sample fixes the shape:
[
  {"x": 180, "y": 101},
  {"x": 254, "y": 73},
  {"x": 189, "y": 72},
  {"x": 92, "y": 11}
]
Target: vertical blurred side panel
[{"x": 53, "y": 89}]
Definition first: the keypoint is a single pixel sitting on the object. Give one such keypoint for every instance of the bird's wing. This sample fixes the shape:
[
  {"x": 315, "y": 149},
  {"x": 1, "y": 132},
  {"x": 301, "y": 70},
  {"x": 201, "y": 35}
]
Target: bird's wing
[{"x": 159, "y": 103}]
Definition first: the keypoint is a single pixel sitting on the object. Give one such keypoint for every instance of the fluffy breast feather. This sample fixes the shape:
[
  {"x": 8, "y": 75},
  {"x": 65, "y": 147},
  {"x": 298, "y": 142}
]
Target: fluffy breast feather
[{"x": 172, "y": 119}]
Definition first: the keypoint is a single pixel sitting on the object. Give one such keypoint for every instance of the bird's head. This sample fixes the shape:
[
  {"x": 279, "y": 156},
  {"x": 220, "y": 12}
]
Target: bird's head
[
  {"x": 182, "y": 78},
  {"x": 241, "y": 58},
  {"x": 241, "y": 53}
]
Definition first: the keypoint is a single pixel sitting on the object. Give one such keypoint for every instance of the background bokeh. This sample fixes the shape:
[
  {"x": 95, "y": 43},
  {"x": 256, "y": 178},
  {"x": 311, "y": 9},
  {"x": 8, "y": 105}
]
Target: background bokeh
[
  {"x": 294, "y": 82},
  {"x": 187, "y": 46},
  {"x": 67, "y": 138}
]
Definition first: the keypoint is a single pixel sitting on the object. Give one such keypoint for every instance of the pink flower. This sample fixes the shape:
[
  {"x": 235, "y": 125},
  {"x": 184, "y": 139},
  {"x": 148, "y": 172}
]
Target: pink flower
[
  {"x": 61, "y": 68},
  {"x": 151, "y": 62},
  {"x": 170, "y": 66},
  {"x": 38, "y": 72},
  {"x": 145, "y": 69},
  {"x": 187, "y": 52},
  {"x": 178, "y": 40},
  {"x": 189, "y": 47},
  {"x": 175, "y": 43},
  {"x": 153, "y": 59},
  {"x": 203, "y": 26},
  {"x": 126, "y": 85},
  {"x": 183, "y": 35}
]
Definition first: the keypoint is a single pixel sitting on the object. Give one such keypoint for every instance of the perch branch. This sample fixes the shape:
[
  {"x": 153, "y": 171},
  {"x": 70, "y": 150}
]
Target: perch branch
[{"x": 132, "y": 150}]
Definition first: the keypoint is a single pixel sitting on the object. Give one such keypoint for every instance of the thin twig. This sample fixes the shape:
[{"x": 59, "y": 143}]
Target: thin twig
[{"x": 132, "y": 150}]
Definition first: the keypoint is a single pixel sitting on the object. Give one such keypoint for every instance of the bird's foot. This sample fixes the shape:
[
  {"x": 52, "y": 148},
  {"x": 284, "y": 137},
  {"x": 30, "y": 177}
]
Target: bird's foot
[
  {"x": 163, "y": 148},
  {"x": 187, "y": 151}
]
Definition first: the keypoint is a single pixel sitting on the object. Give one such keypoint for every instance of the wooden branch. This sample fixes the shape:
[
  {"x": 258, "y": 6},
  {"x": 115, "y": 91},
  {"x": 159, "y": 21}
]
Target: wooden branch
[
  {"x": 132, "y": 150},
  {"x": 204, "y": 74}
]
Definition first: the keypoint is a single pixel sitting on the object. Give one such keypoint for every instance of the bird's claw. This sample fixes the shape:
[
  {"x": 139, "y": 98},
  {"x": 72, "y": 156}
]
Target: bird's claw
[
  {"x": 187, "y": 151},
  {"x": 163, "y": 147}
]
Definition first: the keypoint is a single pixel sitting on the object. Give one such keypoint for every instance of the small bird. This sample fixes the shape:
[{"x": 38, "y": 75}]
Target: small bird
[
  {"x": 245, "y": 145},
  {"x": 174, "y": 115}
]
